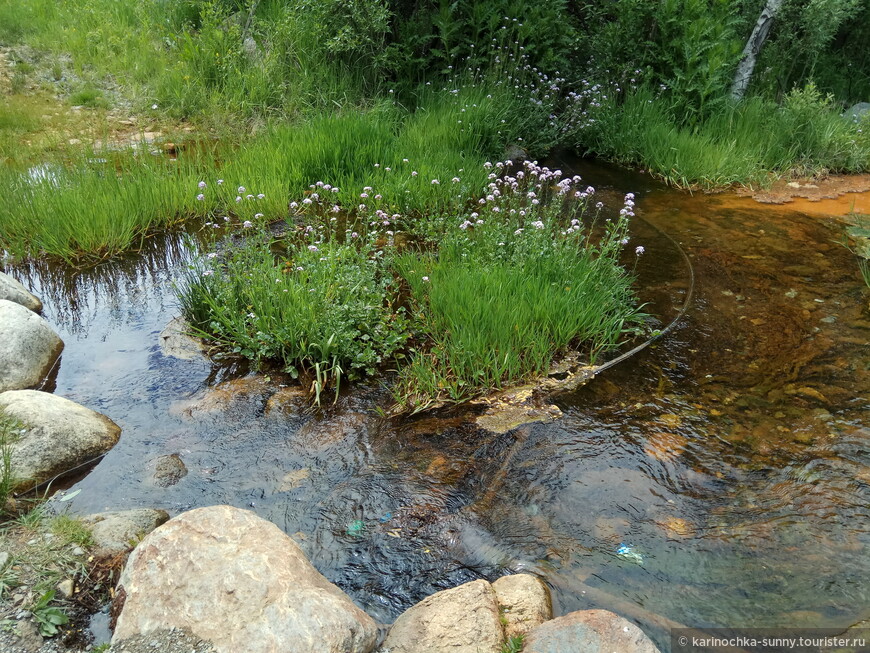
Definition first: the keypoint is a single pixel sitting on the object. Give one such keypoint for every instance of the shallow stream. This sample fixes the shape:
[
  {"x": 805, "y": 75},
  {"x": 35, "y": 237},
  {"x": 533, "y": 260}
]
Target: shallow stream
[{"x": 731, "y": 459}]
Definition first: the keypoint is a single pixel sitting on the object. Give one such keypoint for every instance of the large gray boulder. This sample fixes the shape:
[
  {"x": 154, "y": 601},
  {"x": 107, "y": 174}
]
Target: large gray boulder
[
  {"x": 28, "y": 349},
  {"x": 588, "y": 631},
  {"x": 464, "y": 619},
  {"x": 13, "y": 291},
  {"x": 857, "y": 112},
  {"x": 57, "y": 435},
  {"x": 524, "y": 601},
  {"x": 118, "y": 531},
  {"x": 237, "y": 581}
]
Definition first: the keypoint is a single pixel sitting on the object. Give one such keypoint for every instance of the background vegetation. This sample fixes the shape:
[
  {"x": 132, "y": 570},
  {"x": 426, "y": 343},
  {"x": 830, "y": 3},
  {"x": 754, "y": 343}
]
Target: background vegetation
[
  {"x": 365, "y": 124},
  {"x": 233, "y": 65}
]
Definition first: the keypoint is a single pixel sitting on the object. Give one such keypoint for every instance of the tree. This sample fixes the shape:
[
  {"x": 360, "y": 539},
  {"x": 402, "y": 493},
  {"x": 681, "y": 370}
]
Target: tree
[{"x": 753, "y": 46}]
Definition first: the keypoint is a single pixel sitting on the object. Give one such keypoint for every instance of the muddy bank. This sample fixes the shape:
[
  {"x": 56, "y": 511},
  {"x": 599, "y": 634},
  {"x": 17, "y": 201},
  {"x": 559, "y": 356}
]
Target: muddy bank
[{"x": 831, "y": 195}]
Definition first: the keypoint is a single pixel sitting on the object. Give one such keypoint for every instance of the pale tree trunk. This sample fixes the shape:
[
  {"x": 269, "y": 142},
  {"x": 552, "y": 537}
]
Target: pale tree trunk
[{"x": 753, "y": 46}]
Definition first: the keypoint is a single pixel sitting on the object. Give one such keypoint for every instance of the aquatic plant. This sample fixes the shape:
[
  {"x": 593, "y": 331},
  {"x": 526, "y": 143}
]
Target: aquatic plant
[
  {"x": 858, "y": 242},
  {"x": 490, "y": 288},
  {"x": 321, "y": 306},
  {"x": 528, "y": 271},
  {"x": 92, "y": 208}
]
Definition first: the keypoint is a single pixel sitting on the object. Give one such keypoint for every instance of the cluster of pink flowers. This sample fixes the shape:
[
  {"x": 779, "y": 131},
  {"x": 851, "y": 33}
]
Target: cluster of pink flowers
[{"x": 532, "y": 196}]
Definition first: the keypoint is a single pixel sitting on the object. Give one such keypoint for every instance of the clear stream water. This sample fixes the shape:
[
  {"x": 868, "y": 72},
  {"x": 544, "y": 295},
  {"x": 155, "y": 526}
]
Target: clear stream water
[{"x": 733, "y": 456}]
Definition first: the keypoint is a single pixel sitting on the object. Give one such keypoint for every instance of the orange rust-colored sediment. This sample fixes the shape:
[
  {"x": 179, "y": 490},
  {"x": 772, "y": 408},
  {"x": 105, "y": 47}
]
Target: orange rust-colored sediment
[{"x": 834, "y": 195}]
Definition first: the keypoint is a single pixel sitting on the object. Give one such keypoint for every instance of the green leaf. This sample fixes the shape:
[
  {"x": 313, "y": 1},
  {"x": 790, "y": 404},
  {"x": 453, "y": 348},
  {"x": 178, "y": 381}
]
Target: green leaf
[{"x": 71, "y": 495}]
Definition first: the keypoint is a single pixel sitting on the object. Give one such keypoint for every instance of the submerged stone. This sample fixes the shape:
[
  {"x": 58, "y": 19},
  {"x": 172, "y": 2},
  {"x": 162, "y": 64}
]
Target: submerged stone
[
  {"x": 664, "y": 446},
  {"x": 168, "y": 470},
  {"x": 676, "y": 527},
  {"x": 294, "y": 479},
  {"x": 513, "y": 408},
  {"x": 247, "y": 393},
  {"x": 176, "y": 341}
]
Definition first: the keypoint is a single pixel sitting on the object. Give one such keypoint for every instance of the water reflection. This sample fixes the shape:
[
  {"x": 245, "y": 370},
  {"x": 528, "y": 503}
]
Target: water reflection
[{"x": 110, "y": 296}]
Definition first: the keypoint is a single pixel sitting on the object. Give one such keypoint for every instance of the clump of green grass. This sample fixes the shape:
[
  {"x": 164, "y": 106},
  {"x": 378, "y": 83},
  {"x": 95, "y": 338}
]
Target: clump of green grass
[
  {"x": 859, "y": 243},
  {"x": 10, "y": 429},
  {"x": 511, "y": 285},
  {"x": 89, "y": 209},
  {"x": 16, "y": 119},
  {"x": 324, "y": 310},
  {"x": 89, "y": 97},
  {"x": 92, "y": 209},
  {"x": 71, "y": 530},
  {"x": 494, "y": 298},
  {"x": 513, "y": 644},
  {"x": 736, "y": 144},
  {"x": 389, "y": 148}
]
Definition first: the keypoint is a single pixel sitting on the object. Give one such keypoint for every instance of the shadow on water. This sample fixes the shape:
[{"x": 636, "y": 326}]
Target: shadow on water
[{"x": 730, "y": 459}]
